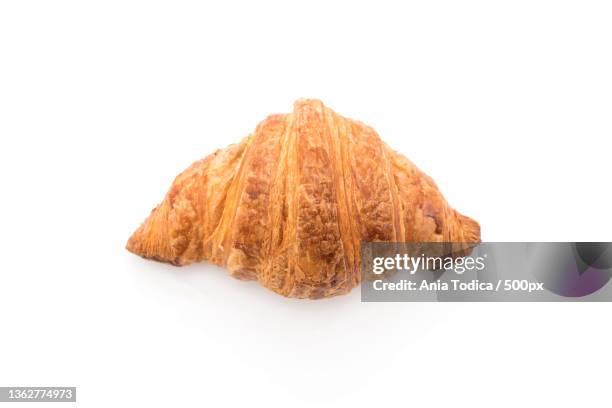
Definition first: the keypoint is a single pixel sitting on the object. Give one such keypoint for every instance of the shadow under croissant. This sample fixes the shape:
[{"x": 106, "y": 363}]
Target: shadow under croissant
[
  {"x": 211, "y": 282},
  {"x": 290, "y": 205}
]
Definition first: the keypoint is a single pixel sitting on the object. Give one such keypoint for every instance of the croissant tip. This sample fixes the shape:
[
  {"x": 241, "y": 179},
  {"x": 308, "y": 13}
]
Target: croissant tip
[
  {"x": 136, "y": 246},
  {"x": 471, "y": 229},
  {"x": 133, "y": 243},
  {"x": 136, "y": 243}
]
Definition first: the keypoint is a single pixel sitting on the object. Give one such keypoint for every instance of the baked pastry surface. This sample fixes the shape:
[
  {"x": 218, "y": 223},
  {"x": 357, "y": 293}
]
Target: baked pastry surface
[{"x": 290, "y": 204}]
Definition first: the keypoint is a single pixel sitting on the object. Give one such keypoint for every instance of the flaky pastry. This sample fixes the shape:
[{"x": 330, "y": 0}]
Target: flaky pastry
[{"x": 290, "y": 205}]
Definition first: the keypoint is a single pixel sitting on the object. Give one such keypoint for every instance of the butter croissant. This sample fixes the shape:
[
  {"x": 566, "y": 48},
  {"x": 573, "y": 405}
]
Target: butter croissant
[{"x": 290, "y": 204}]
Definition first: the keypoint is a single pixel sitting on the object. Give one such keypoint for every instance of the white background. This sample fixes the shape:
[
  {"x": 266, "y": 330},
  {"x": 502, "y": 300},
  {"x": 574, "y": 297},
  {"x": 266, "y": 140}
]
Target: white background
[{"x": 507, "y": 105}]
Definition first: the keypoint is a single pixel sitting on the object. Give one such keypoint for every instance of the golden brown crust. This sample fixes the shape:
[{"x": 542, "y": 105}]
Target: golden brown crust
[{"x": 290, "y": 205}]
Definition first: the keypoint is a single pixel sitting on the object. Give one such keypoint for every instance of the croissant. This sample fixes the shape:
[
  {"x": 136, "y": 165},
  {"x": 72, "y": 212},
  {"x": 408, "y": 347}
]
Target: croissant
[{"x": 290, "y": 204}]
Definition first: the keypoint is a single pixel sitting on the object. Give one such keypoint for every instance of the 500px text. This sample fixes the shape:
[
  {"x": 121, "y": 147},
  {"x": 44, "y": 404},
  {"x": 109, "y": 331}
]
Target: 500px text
[{"x": 474, "y": 285}]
